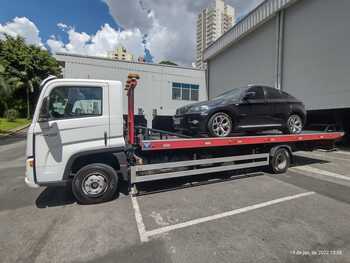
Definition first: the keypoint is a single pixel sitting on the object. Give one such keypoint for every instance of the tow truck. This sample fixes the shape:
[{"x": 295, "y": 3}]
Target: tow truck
[{"x": 77, "y": 138}]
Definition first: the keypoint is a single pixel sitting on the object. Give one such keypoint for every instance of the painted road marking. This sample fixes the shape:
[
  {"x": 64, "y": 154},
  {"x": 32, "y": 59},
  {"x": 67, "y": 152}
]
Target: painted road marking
[
  {"x": 342, "y": 152},
  {"x": 222, "y": 215},
  {"x": 139, "y": 221},
  {"x": 308, "y": 168}
]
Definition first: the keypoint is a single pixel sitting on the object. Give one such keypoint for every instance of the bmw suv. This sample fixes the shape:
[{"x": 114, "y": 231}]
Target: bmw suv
[{"x": 252, "y": 108}]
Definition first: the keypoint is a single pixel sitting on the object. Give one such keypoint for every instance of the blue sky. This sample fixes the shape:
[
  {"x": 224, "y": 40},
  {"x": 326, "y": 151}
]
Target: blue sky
[{"x": 85, "y": 15}]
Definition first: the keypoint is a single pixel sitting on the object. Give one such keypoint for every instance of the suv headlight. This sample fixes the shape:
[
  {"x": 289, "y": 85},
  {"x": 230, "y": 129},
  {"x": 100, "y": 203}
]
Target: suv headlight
[{"x": 199, "y": 109}]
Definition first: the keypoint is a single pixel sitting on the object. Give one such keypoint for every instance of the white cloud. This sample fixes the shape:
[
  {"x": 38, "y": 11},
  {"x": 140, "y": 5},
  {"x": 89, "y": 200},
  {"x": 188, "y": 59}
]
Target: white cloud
[
  {"x": 22, "y": 26},
  {"x": 170, "y": 25},
  {"x": 62, "y": 26},
  {"x": 99, "y": 44}
]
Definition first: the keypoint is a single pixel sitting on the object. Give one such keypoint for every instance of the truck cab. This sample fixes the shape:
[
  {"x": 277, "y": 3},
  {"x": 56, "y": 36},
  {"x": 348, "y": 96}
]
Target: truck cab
[{"x": 75, "y": 120}]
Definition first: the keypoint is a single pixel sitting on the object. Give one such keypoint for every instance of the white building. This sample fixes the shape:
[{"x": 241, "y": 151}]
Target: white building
[
  {"x": 161, "y": 90},
  {"x": 212, "y": 22}
]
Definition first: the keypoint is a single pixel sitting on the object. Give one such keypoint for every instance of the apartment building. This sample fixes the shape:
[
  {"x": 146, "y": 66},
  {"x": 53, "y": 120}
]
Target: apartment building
[{"x": 212, "y": 22}]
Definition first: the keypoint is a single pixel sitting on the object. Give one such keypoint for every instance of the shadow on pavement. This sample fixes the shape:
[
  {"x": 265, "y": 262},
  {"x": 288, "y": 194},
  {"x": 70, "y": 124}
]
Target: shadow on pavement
[
  {"x": 302, "y": 160},
  {"x": 55, "y": 196},
  {"x": 9, "y": 139}
]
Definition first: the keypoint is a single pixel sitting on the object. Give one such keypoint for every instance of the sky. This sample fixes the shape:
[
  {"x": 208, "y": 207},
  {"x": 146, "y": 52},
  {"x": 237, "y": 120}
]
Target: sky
[{"x": 95, "y": 27}]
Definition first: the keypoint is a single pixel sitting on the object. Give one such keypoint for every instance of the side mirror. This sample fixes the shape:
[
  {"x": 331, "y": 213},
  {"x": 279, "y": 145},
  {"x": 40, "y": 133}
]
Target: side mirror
[
  {"x": 249, "y": 95},
  {"x": 44, "y": 115}
]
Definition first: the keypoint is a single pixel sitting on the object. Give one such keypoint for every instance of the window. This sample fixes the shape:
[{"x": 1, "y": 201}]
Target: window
[
  {"x": 75, "y": 102},
  {"x": 185, "y": 91},
  {"x": 259, "y": 93},
  {"x": 272, "y": 93}
]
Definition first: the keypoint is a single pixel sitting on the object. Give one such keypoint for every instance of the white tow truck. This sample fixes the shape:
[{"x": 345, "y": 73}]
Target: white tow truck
[{"x": 78, "y": 137}]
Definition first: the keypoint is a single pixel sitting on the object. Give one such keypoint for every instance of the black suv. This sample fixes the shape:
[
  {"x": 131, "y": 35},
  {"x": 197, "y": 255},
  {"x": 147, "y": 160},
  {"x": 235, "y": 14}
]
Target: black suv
[{"x": 252, "y": 108}]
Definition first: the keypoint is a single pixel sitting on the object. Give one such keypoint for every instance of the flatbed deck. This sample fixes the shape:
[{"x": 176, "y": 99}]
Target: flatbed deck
[{"x": 192, "y": 143}]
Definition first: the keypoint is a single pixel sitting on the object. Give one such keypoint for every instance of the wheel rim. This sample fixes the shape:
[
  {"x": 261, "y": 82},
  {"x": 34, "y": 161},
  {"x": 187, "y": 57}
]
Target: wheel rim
[
  {"x": 94, "y": 184},
  {"x": 281, "y": 161},
  {"x": 221, "y": 125},
  {"x": 295, "y": 124}
]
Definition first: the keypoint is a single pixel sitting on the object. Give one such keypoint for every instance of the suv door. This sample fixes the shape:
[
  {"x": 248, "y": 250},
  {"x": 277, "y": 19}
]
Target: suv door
[
  {"x": 279, "y": 105},
  {"x": 254, "y": 112},
  {"x": 79, "y": 120}
]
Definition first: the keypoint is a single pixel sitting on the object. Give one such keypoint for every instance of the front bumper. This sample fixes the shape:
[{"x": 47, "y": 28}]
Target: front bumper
[
  {"x": 196, "y": 123},
  {"x": 30, "y": 183}
]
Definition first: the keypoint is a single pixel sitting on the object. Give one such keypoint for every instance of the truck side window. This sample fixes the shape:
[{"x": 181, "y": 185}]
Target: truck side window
[{"x": 75, "y": 102}]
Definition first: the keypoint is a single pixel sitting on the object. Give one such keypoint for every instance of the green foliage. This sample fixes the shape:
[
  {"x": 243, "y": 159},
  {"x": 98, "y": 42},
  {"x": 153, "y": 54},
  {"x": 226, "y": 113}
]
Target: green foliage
[
  {"x": 168, "y": 62},
  {"x": 11, "y": 115},
  {"x": 22, "y": 68}
]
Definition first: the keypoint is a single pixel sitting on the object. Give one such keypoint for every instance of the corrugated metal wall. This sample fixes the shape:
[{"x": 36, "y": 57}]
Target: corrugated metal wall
[
  {"x": 316, "y": 57},
  {"x": 251, "y": 60}
]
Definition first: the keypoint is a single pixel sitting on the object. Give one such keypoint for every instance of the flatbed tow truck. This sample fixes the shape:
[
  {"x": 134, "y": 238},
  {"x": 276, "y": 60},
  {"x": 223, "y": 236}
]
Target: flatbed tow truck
[{"x": 77, "y": 138}]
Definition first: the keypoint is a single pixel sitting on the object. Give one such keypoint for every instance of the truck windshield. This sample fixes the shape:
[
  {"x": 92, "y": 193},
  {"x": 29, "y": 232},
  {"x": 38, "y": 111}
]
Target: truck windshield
[{"x": 235, "y": 93}]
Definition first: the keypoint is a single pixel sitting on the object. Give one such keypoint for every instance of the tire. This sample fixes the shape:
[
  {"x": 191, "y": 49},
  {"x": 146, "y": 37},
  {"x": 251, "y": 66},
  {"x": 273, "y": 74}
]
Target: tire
[
  {"x": 95, "y": 183},
  {"x": 220, "y": 125},
  {"x": 280, "y": 161},
  {"x": 294, "y": 124}
]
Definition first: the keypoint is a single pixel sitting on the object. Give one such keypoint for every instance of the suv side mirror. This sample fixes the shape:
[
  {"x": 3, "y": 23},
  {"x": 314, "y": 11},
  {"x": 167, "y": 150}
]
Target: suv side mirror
[
  {"x": 44, "y": 115},
  {"x": 249, "y": 95}
]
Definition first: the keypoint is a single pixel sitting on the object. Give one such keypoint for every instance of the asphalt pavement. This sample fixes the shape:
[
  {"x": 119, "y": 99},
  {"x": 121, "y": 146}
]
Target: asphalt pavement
[{"x": 300, "y": 216}]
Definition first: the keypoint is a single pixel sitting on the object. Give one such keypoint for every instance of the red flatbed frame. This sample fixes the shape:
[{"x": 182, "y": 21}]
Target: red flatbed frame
[{"x": 180, "y": 143}]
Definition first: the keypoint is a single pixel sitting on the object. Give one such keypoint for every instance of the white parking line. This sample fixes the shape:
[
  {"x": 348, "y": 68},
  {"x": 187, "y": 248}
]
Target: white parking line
[
  {"x": 308, "y": 168},
  {"x": 139, "y": 221},
  {"x": 222, "y": 215}
]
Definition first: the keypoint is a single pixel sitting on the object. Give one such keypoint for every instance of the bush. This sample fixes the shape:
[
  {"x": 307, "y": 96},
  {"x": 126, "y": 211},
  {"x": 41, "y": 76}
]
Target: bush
[{"x": 11, "y": 115}]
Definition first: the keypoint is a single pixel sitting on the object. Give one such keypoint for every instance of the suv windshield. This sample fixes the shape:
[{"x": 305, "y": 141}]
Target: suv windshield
[{"x": 232, "y": 94}]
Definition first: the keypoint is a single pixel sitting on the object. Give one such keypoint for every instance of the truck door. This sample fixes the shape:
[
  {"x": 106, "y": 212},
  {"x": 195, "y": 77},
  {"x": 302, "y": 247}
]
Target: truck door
[{"x": 78, "y": 121}]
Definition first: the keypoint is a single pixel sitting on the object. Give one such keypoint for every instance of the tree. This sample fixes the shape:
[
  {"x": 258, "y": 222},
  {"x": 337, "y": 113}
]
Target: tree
[
  {"x": 25, "y": 66},
  {"x": 168, "y": 62}
]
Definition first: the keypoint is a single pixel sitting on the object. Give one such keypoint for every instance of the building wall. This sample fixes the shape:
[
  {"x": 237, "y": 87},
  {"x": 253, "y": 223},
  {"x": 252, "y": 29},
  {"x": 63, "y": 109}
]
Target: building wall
[
  {"x": 155, "y": 86},
  {"x": 316, "y": 65},
  {"x": 251, "y": 60}
]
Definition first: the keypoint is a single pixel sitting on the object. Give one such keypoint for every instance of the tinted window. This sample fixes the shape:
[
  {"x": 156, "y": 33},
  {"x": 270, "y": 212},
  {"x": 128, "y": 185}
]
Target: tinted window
[
  {"x": 232, "y": 94},
  {"x": 272, "y": 93},
  {"x": 71, "y": 102},
  {"x": 259, "y": 93}
]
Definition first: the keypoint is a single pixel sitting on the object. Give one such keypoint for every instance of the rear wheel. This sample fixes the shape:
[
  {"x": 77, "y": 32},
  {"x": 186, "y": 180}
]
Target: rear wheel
[
  {"x": 294, "y": 124},
  {"x": 220, "y": 125},
  {"x": 95, "y": 183},
  {"x": 280, "y": 161}
]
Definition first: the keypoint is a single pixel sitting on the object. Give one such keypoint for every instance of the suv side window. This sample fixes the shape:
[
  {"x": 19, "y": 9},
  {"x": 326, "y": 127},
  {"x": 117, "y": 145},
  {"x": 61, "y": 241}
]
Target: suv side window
[
  {"x": 75, "y": 102},
  {"x": 259, "y": 93},
  {"x": 274, "y": 94}
]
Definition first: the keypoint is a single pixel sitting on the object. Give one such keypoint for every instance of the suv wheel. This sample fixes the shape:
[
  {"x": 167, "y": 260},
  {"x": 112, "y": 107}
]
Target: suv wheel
[
  {"x": 220, "y": 125},
  {"x": 95, "y": 183},
  {"x": 294, "y": 124}
]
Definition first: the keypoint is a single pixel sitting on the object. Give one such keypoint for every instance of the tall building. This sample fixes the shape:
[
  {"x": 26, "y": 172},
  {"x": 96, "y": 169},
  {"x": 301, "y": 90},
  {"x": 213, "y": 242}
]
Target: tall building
[
  {"x": 212, "y": 22},
  {"x": 120, "y": 53}
]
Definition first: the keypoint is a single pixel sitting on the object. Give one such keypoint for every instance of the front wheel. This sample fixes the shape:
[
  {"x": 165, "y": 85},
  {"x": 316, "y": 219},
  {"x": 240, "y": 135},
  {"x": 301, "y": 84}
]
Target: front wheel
[
  {"x": 220, "y": 125},
  {"x": 95, "y": 183},
  {"x": 294, "y": 124}
]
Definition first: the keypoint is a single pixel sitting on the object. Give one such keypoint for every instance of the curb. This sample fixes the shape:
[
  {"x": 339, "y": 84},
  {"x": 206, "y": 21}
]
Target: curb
[{"x": 14, "y": 131}]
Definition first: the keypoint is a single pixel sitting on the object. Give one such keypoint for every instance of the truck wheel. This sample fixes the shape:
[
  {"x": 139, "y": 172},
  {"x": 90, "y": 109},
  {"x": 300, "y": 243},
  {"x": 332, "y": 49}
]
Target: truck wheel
[
  {"x": 280, "y": 161},
  {"x": 95, "y": 183}
]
